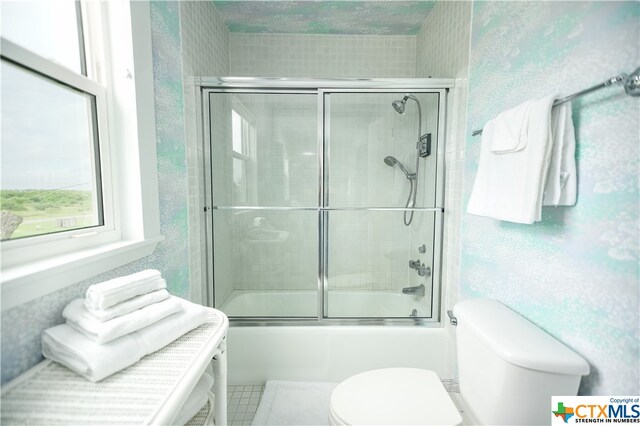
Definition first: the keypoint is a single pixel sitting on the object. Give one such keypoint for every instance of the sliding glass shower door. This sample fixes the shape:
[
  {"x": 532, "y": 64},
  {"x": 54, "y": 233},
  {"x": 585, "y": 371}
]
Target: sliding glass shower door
[
  {"x": 264, "y": 167},
  {"x": 380, "y": 197},
  {"x": 325, "y": 203}
]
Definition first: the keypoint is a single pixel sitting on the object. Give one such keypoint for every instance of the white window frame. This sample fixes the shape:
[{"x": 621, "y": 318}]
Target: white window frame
[
  {"x": 35, "y": 266},
  {"x": 31, "y": 248},
  {"x": 249, "y": 137}
]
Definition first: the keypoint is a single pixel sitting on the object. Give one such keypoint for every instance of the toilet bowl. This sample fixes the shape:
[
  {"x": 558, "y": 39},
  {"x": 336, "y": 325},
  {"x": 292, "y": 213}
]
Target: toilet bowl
[{"x": 503, "y": 361}]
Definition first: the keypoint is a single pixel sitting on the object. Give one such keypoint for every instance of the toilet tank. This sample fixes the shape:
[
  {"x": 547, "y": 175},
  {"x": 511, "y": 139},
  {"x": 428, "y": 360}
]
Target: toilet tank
[{"x": 508, "y": 367}]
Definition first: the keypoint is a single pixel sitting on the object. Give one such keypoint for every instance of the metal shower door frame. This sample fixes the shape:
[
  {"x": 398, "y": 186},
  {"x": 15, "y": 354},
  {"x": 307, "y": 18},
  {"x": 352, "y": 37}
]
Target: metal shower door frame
[{"x": 323, "y": 89}]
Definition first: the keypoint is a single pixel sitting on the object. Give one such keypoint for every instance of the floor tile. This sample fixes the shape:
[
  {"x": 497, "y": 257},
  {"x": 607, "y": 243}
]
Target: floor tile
[{"x": 243, "y": 401}]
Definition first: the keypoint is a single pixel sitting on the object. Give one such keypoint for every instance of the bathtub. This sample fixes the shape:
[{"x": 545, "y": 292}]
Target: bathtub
[
  {"x": 342, "y": 303},
  {"x": 328, "y": 352}
]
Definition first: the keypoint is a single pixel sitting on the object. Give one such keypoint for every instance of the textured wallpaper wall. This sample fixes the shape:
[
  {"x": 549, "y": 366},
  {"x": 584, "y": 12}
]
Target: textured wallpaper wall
[
  {"x": 575, "y": 274},
  {"x": 22, "y": 325}
]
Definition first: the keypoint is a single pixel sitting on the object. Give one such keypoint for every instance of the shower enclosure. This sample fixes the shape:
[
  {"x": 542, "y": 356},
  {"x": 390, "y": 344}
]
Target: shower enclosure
[{"x": 324, "y": 198}]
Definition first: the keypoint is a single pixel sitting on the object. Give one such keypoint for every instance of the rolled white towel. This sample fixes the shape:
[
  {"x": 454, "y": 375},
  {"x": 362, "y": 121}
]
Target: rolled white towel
[
  {"x": 196, "y": 400},
  {"x": 95, "y": 362},
  {"x": 112, "y": 292},
  {"x": 127, "y": 306},
  {"x": 101, "y": 332}
]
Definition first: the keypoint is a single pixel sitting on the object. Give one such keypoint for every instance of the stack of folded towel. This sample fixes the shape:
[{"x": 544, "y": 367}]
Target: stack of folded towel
[
  {"x": 117, "y": 323},
  {"x": 527, "y": 160}
]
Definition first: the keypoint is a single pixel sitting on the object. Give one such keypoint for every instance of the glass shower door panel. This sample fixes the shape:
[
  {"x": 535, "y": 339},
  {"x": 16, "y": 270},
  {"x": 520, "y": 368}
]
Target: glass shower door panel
[
  {"x": 368, "y": 273},
  {"x": 372, "y": 149},
  {"x": 266, "y": 262},
  {"x": 264, "y": 149}
]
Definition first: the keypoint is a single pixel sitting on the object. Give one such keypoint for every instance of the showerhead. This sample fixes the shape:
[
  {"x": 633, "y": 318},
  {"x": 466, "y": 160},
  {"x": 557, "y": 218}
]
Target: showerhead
[
  {"x": 399, "y": 106},
  {"x": 392, "y": 161}
]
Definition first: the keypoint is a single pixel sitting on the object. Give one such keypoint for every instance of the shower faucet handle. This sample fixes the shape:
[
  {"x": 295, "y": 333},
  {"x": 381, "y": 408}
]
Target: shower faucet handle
[
  {"x": 424, "y": 271},
  {"x": 421, "y": 268},
  {"x": 422, "y": 249}
]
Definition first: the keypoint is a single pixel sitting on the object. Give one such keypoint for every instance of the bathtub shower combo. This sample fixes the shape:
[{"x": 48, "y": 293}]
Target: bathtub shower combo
[{"x": 324, "y": 199}]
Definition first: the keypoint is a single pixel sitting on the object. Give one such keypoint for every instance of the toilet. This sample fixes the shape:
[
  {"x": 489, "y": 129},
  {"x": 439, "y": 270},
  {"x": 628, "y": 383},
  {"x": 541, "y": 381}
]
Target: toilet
[{"x": 508, "y": 370}]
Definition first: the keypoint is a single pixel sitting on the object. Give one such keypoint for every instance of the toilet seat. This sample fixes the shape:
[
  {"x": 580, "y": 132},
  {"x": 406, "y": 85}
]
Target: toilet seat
[{"x": 392, "y": 396}]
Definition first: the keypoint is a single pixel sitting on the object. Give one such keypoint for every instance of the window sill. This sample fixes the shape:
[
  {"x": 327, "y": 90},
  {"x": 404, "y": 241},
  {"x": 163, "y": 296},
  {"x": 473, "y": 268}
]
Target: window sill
[{"x": 21, "y": 284}]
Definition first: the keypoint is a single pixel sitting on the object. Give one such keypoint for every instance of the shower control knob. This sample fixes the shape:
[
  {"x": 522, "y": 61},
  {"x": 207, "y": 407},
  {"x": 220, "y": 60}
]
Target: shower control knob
[
  {"x": 424, "y": 271},
  {"x": 422, "y": 249}
]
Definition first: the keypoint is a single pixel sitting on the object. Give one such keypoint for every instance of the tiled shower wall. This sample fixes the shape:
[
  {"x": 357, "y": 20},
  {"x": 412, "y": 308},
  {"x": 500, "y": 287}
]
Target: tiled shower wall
[
  {"x": 442, "y": 45},
  {"x": 443, "y": 51},
  {"x": 367, "y": 251},
  {"x": 205, "y": 52},
  {"x": 321, "y": 56},
  {"x": 325, "y": 56}
]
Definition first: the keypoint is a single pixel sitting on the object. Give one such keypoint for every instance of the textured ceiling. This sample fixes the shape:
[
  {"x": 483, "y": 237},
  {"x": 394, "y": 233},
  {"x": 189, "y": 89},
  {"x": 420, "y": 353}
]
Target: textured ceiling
[{"x": 325, "y": 17}]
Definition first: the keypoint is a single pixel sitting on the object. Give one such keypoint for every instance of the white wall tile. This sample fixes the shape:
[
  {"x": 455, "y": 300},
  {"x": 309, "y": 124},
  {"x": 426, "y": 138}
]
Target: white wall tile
[
  {"x": 443, "y": 51},
  {"x": 322, "y": 56},
  {"x": 205, "y": 52}
]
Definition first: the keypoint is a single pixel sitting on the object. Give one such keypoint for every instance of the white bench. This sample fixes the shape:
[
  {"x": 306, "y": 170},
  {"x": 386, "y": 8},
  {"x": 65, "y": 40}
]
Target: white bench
[{"x": 152, "y": 391}]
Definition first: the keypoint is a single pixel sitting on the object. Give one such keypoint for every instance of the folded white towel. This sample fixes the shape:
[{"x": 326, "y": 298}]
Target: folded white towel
[
  {"x": 112, "y": 292},
  {"x": 127, "y": 306},
  {"x": 81, "y": 320},
  {"x": 196, "y": 400},
  {"x": 509, "y": 186},
  {"x": 74, "y": 350},
  {"x": 561, "y": 185},
  {"x": 510, "y": 129}
]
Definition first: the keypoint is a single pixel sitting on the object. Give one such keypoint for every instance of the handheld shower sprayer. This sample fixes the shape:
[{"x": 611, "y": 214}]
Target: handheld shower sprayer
[
  {"x": 392, "y": 161},
  {"x": 422, "y": 151}
]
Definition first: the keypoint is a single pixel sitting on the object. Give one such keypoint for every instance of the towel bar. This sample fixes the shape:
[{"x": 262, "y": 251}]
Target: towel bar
[{"x": 630, "y": 82}]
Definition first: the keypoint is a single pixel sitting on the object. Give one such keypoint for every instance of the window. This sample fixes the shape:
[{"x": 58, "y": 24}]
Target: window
[
  {"x": 243, "y": 140},
  {"x": 52, "y": 30},
  {"x": 72, "y": 75},
  {"x": 53, "y": 143}
]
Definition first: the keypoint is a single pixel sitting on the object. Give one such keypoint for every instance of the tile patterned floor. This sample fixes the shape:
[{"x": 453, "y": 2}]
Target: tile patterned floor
[
  {"x": 243, "y": 400},
  {"x": 242, "y": 403}
]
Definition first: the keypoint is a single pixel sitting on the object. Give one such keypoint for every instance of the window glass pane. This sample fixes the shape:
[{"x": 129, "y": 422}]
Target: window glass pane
[
  {"x": 48, "y": 28},
  {"x": 49, "y": 167},
  {"x": 236, "y": 123},
  {"x": 240, "y": 180}
]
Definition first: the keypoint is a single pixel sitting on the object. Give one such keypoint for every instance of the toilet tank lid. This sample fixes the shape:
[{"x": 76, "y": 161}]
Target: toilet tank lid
[{"x": 516, "y": 340}]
